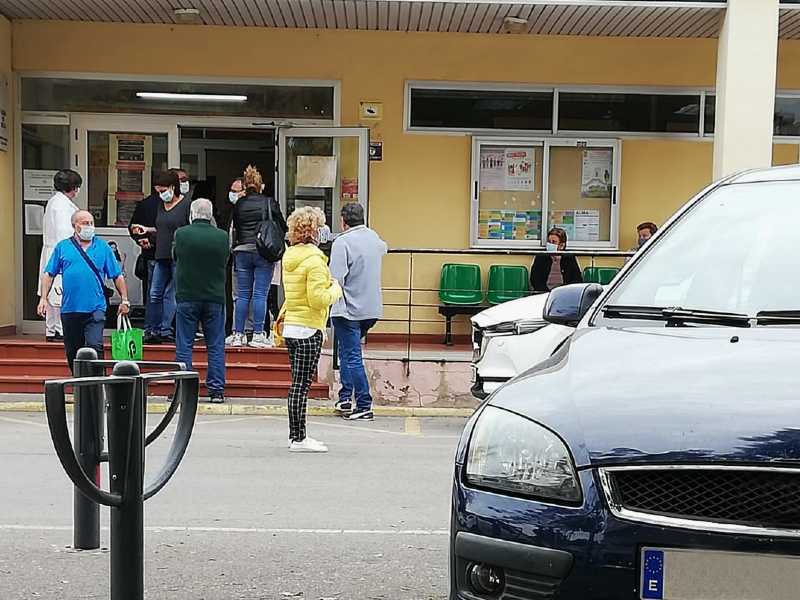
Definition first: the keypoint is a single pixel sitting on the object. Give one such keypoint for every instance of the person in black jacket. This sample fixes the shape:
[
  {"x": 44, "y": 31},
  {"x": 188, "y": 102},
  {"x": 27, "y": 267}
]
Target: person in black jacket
[
  {"x": 253, "y": 274},
  {"x": 553, "y": 270},
  {"x": 143, "y": 222}
]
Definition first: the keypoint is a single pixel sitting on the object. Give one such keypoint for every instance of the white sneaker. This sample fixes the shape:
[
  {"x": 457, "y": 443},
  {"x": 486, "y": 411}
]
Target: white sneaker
[
  {"x": 236, "y": 340},
  {"x": 260, "y": 340},
  {"x": 308, "y": 445}
]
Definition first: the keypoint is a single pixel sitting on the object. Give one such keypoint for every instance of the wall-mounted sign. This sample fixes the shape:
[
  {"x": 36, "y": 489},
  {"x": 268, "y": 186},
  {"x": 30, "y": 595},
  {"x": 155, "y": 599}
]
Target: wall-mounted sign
[
  {"x": 376, "y": 151},
  {"x": 4, "y": 113},
  {"x": 371, "y": 111}
]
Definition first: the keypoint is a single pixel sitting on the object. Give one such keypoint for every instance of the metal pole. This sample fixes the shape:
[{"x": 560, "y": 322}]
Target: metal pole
[
  {"x": 126, "y": 429},
  {"x": 88, "y": 444}
]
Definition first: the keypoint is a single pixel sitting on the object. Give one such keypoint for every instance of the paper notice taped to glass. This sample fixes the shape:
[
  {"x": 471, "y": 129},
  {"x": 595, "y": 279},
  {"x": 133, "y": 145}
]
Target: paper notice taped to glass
[
  {"x": 316, "y": 171},
  {"x": 34, "y": 219},
  {"x": 37, "y": 185}
]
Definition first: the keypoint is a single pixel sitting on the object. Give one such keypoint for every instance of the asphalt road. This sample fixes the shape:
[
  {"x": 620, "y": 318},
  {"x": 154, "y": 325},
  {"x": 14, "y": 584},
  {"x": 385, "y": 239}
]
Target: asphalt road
[{"x": 243, "y": 518}]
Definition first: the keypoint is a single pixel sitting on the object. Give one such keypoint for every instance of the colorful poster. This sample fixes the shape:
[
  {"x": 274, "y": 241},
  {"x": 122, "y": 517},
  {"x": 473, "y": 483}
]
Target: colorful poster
[
  {"x": 349, "y": 188},
  {"x": 519, "y": 170},
  {"x": 130, "y": 158},
  {"x": 492, "y": 172},
  {"x": 509, "y": 225},
  {"x": 565, "y": 219},
  {"x": 596, "y": 173},
  {"x": 587, "y": 225}
]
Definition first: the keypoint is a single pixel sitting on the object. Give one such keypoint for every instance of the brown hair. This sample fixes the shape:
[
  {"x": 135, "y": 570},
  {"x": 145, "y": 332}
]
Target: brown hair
[
  {"x": 648, "y": 225},
  {"x": 304, "y": 225},
  {"x": 169, "y": 179},
  {"x": 559, "y": 233},
  {"x": 253, "y": 181}
]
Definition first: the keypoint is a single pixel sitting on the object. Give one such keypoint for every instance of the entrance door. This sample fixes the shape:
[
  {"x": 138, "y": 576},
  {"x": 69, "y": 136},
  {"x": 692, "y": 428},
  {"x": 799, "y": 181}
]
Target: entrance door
[{"x": 323, "y": 167}]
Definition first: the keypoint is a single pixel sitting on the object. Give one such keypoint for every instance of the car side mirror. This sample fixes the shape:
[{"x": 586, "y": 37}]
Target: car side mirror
[{"x": 567, "y": 304}]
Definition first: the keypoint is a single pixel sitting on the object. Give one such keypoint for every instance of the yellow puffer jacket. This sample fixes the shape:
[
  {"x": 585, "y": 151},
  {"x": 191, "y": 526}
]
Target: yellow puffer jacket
[{"x": 309, "y": 288}]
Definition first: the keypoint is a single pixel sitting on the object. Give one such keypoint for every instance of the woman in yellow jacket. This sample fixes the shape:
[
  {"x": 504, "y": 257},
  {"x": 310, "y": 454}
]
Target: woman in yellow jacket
[{"x": 310, "y": 291}]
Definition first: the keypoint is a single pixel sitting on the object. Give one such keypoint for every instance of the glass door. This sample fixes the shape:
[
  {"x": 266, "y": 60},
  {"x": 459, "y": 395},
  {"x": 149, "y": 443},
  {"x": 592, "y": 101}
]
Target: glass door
[{"x": 323, "y": 167}]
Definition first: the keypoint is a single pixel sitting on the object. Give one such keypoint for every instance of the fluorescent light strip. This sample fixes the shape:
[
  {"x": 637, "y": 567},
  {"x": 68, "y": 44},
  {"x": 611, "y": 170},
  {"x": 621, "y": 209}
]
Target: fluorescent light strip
[{"x": 191, "y": 97}]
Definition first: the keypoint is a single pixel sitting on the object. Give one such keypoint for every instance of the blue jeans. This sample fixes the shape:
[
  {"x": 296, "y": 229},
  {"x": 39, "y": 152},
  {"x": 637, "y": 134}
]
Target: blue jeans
[
  {"x": 351, "y": 364},
  {"x": 253, "y": 278},
  {"x": 162, "y": 297},
  {"x": 212, "y": 316},
  {"x": 151, "y": 325},
  {"x": 83, "y": 330}
]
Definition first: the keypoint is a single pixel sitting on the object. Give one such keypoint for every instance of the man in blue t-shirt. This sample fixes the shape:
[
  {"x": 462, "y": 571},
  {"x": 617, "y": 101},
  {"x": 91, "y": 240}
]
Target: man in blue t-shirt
[{"x": 83, "y": 304}]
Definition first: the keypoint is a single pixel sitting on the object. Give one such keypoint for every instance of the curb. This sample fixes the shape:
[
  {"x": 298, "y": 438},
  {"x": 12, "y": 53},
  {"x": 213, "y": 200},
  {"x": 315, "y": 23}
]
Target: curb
[{"x": 159, "y": 408}]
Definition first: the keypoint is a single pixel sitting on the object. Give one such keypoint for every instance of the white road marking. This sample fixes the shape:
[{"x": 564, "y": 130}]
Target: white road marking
[
  {"x": 246, "y": 530},
  {"x": 23, "y": 422}
]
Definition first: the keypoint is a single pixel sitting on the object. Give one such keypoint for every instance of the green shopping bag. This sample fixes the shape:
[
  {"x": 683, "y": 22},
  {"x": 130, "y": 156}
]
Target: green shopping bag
[{"x": 126, "y": 342}]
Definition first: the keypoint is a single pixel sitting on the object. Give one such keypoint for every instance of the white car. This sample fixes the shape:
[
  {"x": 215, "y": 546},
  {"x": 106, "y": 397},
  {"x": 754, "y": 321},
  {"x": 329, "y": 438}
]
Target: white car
[{"x": 509, "y": 338}]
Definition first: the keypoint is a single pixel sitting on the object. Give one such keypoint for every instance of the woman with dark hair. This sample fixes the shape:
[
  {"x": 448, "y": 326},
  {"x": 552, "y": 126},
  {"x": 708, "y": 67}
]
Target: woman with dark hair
[
  {"x": 173, "y": 213},
  {"x": 552, "y": 270}
]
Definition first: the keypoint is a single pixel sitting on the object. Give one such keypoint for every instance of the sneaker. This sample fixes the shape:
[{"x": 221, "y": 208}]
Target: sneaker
[
  {"x": 260, "y": 340},
  {"x": 343, "y": 406},
  {"x": 362, "y": 414},
  {"x": 151, "y": 338},
  {"x": 237, "y": 340},
  {"x": 308, "y": 445},
  {"x": 217, "y": 398}
]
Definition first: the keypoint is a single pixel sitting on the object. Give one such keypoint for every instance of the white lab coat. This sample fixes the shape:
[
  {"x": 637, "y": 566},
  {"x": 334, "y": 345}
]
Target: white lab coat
[{"x": 57, "y": 226}]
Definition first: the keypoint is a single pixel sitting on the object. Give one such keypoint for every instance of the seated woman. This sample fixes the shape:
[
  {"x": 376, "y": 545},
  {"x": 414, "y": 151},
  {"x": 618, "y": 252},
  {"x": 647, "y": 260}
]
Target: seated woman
[{"x": 552, "y": 270}]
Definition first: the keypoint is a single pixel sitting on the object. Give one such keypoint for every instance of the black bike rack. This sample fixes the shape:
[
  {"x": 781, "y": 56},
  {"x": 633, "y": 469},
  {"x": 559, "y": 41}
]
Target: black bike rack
[{"x": 126, "y": 398}]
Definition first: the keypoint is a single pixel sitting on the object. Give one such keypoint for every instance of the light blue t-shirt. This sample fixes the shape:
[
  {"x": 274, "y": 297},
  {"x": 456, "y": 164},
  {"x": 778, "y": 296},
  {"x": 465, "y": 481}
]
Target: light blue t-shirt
[{"x": 82, "y": 291}]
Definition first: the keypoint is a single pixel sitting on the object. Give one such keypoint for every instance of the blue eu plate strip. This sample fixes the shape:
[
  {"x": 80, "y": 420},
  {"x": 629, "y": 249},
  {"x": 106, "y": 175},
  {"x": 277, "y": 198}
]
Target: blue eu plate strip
[{"x": 653, "y": 575}]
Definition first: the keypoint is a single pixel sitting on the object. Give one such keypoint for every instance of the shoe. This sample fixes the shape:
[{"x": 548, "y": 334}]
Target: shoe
[
  {"x": 237, "y": 340},
  {"x": 307, "y": 445},
  {"x": 166, "y": 339},
  {"x": 343, "y": 406},
  {"x": 151, "y": 338},
  {"x": 217, "y": 398},
  {"x": 260, "y": 340},
  {"x": 360, "y": 414}
]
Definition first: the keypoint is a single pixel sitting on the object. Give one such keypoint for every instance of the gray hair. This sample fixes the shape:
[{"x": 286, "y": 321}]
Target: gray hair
[
  {"x": 353, "y": 214},
  {"x": 201, "y": 209}
]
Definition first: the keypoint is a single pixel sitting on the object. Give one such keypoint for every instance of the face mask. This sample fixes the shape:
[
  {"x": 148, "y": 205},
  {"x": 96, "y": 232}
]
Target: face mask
[
  {"x": 642, "y": 242},
  {"x": 233, "y": 197},
  {"x": 167, "y": 195},
  {"x": 184, "y": 187},
  {"x": 551, "y": 247},
  {"x": 77, "y": 191},
  {"x": 316, "y": 239},
  {"x": 86, "y": 233}
]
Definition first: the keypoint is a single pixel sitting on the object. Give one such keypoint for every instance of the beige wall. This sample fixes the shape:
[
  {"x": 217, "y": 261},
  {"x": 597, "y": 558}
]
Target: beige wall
[{"x": 8, "y": 274}]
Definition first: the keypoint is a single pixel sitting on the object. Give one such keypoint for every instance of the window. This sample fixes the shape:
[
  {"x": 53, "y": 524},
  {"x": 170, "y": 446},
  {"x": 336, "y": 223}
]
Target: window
[
  {"x": 787, "y": 116},
  {"x": 624, "y": 112},
  {"x": 523, "y": 187},
  {"x": 481, "y": 109}
]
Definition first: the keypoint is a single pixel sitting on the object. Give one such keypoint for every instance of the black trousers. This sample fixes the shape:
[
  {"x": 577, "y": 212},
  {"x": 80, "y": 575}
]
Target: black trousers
[{"x": 83, "y": 330}]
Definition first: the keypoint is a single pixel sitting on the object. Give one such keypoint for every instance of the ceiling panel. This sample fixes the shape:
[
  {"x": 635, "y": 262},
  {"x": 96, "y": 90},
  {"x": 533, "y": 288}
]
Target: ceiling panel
[{"x": 632, "y": 18}]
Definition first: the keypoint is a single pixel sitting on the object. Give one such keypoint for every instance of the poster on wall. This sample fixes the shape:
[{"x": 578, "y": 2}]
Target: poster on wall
[
  {"x": 587, "y": 225},
  {"x": 509, "y": 225},
  {"x": 564, "y": 219},
  {"x": 37, "y": 185},
  {"x": 130, "y": 165},
  {"x": 349, "y": 188},
  {"x": 507, "y": 170},
  {"x": 126, "y": 251},
  {"x": 596, "y": 173},
  {"x": 492, "y": 171}
]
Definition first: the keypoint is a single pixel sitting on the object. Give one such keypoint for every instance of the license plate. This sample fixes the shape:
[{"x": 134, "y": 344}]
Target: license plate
[{"x": 678, "y": 574}]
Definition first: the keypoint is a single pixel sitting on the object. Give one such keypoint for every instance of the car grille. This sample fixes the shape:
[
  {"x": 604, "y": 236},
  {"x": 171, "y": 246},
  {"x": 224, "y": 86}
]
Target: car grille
[{"x": 762, "y": 498}]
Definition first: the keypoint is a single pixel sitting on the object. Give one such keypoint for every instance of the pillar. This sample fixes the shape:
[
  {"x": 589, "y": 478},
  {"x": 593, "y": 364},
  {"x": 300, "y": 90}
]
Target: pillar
[{"x": 746, "y": 71}]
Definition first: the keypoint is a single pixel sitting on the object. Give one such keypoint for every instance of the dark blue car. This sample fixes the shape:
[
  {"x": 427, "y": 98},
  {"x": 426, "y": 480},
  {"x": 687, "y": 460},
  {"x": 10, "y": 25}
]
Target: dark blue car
[{"x": 656, "y": 455}]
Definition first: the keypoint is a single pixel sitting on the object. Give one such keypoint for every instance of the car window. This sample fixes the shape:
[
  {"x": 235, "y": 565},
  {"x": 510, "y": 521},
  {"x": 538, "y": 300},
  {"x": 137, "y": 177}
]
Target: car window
[{"x": 738, "y": 250}]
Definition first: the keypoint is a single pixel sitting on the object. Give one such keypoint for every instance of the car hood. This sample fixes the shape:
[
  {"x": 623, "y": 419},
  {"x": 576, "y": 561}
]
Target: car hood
[
  {"x": 659, "y": 394},
  {"x": 529, "y": 307}
]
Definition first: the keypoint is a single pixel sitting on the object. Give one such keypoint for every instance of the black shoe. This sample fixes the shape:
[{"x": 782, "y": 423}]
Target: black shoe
[
  {"x": 343, "y": 406},
  {"x": 166, "y": 339},
  {"x": 360, "y": 414},
  {"x": 217, "y": 398},
  {"x": 54, "y": 338},
  {"x": 151, "y": 338}
]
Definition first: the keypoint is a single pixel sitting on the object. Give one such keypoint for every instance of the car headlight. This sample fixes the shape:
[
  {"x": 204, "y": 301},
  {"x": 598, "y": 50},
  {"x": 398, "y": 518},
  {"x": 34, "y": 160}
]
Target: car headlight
[
  {"x": 518, "y": 327},
  {"x": 511, "y": 453}
]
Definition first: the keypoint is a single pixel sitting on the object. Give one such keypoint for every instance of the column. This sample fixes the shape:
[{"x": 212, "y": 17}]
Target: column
[{"x": 746, "y": 72}]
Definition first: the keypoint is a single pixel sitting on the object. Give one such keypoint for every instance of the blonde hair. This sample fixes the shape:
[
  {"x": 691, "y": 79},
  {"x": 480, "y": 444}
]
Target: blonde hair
[
  {"x": 304, "y": 225},
  {"x": 252, "y": 180}
]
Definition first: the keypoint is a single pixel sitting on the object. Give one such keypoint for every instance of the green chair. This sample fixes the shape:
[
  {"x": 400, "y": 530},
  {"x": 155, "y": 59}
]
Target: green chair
[
  {"x": 601, "y": 275},
  {"x": 460, "y": 285},
  {"x": 507, "y": 282},
  {"x": 591, "y": 275}
]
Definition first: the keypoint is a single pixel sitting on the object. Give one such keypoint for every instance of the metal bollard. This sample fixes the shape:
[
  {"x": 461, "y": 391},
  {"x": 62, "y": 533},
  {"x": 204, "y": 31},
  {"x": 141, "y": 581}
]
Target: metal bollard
[{"x": 126, "y": 393}]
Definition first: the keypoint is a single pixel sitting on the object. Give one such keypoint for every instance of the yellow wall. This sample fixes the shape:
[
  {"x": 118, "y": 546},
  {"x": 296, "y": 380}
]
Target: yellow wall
[{"x": 8, "y": 273}]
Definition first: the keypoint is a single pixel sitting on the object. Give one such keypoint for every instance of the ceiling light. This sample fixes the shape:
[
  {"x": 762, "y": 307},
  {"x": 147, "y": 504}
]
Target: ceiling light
[
  {"x": 514, "y": 24},
  {"x": 188, "y": 16},
  {"x": 191, "y": 97}
]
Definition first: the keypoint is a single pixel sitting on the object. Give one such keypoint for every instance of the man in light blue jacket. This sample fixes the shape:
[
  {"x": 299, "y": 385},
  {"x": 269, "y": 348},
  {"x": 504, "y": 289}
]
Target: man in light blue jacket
[{"x": 356, "y": 261}]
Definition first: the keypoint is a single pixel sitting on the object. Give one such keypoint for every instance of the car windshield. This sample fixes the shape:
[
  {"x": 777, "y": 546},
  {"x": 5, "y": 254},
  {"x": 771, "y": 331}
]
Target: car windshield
[{"x": 737, "y": 251}]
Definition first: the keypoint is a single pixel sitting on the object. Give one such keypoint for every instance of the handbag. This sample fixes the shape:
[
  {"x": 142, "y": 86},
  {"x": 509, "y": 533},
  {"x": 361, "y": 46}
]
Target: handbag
[
  {"x": 140, "y": 270},
  {"x": 277, "y": 328},
  {"x": 270, "y": 243},
  {"x": 126, "y": 342},
  {"x": 107, "y": 291}
]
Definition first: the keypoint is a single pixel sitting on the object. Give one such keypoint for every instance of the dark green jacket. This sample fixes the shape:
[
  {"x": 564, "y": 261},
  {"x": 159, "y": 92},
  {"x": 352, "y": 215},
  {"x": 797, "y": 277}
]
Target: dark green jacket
[{"x": 201, "y": 255}]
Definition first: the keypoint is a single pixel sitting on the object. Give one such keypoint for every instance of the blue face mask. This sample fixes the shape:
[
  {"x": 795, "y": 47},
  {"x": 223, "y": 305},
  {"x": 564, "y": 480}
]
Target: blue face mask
[
  {"x": 86, "y": 233},
  {"x": 233, "y": 197},
  {"x": 167, "y": 196},
  {"x": 551, "y": 247}
]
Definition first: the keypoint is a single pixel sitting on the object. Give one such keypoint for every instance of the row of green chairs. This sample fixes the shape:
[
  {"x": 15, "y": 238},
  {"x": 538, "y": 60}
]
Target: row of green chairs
[
  {"x": 460, "y": 284},
  {"x": 601, "y": 275}
]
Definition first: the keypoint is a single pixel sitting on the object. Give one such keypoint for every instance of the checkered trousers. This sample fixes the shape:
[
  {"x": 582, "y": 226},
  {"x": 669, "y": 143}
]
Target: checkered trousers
[{"x": 303, "y": 358}]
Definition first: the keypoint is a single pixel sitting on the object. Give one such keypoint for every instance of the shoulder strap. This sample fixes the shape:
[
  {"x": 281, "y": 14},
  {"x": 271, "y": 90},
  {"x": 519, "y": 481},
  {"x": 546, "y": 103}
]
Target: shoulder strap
[
  {"x": 266, "y": 207},
  {"x": 90, "y": 263}
]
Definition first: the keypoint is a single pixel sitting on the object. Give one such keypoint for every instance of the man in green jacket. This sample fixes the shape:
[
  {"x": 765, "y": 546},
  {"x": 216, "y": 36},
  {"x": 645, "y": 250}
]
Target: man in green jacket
[{"x": 201, "y": 255}]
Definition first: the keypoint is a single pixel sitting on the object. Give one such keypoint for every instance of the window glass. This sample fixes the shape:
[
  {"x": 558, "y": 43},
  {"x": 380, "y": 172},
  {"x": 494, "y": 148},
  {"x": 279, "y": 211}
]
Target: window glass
[
  {"x": 109, "y": 96},
  {"x": 580, "y": 192},
  {"x": 661, "y": 113},
  {"x": 510, "y": 193},
  {"x": 787, "y": 116},
  {"x": 481, "y": 109},
  {"x": 726, "y": 254},
  {"x": 711, "y": 113}
]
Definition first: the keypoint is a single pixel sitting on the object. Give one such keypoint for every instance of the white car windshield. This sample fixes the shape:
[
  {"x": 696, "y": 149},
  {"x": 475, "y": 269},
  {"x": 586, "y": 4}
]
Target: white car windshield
[{"x": 737, "y": 251}]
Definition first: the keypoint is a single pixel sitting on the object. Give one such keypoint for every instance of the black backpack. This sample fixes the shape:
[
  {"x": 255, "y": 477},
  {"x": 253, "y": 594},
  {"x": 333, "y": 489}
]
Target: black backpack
[{"x": 270, "y": 242}]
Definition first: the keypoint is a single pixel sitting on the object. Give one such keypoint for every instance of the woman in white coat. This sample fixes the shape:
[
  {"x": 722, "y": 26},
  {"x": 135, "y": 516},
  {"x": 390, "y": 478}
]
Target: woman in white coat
[{"x": 57, "y": 226}]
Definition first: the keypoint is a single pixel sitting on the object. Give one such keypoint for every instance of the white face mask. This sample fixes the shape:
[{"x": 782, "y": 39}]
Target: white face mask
[
  {"x": 184, "y": 187},
  {"x": 86, "y": 233},
  {"x": 551, "y": 247},
  {"x": 233, "y": 197},
  {"x": 167, "y": 195}
]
